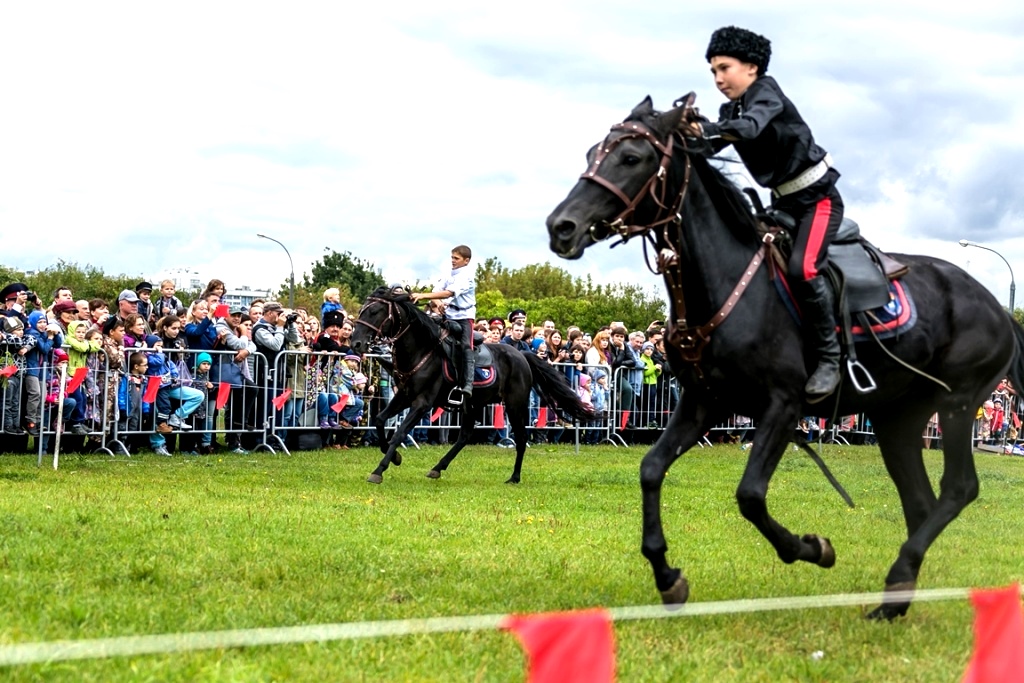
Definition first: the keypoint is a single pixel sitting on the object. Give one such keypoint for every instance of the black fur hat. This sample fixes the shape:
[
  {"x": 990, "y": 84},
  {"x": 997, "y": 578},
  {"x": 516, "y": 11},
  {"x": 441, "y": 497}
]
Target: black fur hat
[
  {"x": 333, "y": 318},
  {"x": 742, "y": 44}
]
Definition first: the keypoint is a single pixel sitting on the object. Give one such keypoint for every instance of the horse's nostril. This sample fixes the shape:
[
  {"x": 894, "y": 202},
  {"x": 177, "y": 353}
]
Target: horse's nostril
[{"x": 565, "y": 228}]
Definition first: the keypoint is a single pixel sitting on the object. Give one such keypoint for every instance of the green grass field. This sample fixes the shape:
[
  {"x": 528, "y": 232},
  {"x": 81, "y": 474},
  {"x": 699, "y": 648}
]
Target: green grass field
[{"x": 114, "y": 547}]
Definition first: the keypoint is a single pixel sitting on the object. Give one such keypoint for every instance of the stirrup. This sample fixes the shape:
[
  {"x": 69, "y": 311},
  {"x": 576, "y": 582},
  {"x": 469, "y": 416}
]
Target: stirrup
[
  {"x": 455, "y": 396},
  {"x": 857, "y": 372}
]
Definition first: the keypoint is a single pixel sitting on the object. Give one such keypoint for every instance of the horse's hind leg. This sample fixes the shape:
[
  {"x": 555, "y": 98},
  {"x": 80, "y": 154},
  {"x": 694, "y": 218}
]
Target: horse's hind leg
[
  {"x": 926, "y": 516},
  {"x": 774, "y": 433},
  {"x": 516, "y": 418}
]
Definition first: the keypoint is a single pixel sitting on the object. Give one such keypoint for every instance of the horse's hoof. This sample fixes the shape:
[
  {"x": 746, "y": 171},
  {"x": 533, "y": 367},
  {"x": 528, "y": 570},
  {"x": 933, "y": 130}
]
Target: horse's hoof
[
  {"x": 888, "y": 612},
  {"x": 512, "y": 480},
  {"x": 676, "y": 596},
  {"x": 828, "y": 553},
  {"x": 433, "y": 474},
  {"x": 892, "y": 605},
  {"x": 396, "y": 459},
  {"x": 375, "y": 479}
]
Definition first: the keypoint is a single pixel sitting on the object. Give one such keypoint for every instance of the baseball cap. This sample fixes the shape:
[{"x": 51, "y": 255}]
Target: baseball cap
[
  {"x": 272, "y": 306},
  {"x": 127, "y": 295}
]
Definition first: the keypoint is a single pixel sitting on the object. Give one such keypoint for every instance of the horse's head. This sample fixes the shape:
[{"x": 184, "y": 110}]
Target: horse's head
[
  {"x": 624, "y": 170},
  {"x": 383, "y": 316}
]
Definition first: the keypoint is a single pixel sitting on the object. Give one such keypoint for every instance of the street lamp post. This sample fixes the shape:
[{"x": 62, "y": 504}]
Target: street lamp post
[
  {"x": 1013, "y": 286},
  {"x": 291, "y": 279}
]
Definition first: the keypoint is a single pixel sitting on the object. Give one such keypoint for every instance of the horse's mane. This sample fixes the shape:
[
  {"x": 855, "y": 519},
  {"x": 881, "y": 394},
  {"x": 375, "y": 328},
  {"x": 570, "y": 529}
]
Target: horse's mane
[
  {"x": 726, "y": 196},
  {"x": 419, "y": 319}
]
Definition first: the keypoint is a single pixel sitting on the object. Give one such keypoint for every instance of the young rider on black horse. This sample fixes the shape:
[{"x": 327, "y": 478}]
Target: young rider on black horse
[
  {"x": 460, "y": 287},
  {"x": 778, "y": 149}
]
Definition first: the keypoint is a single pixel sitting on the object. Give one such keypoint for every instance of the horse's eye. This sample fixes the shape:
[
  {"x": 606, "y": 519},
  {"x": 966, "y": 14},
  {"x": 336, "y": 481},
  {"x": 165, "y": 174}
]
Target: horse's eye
[{"x": 631, "y": 160}]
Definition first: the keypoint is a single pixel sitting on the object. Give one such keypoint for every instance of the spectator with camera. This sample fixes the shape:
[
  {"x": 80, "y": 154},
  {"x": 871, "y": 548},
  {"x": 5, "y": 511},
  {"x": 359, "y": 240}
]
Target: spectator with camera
[
  {"x": 270, "y": 334},
  {"x": 15, "y": 297}
]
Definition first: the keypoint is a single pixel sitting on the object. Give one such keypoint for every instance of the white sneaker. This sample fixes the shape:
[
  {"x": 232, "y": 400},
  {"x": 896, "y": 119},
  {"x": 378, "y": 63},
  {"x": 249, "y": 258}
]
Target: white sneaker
[
  {"x": 176, "y": 422},
  {"x": 161, "y": 450}
]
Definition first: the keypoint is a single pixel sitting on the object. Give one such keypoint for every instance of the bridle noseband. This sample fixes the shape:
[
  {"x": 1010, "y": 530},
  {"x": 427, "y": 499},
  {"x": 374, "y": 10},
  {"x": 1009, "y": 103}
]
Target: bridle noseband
[
  {"x": 656, "y": 185},
  {"x": 393, "y": 317}
]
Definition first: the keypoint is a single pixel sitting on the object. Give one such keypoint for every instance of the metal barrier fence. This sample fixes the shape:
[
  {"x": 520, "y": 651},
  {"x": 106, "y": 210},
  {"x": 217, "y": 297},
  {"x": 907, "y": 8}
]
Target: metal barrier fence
[{"x": 309, "y": 401}]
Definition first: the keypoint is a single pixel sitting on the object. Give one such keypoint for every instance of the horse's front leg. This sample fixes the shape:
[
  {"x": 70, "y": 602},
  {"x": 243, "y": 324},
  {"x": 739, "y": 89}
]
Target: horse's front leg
[
  {"x": 466, "y": 426},
  {"x": 399, "y": 402},
  {"x": 689, "y": 422},
  {"x": 420, "y": 406},
  {"x": 774, "y": 434}
]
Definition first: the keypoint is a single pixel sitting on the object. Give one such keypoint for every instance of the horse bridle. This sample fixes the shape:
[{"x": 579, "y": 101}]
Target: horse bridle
[
  {"x": 656, "y": 185},
  {"x": 393, "y": 316},
  {"x": 689, "y": 340}
]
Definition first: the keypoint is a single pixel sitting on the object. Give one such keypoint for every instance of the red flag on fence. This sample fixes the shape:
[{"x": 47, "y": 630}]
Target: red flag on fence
[
  {"x": 340, "y": 404},
  {"x": 499, "y": 416},
  {"x": 280, "y": 399},
  {"x": 436, "y": 414},
  {"x": 542, "y": 417},
  {"x": 8, "y": 371},
  {"x": 152, "y": 386},
  {"x": 563, "y": 647},
  {"x": 998, "y": 636},
  {"x": 76, "y": 379},
  {"x": 223, "y": 394},
  {"x": 624, "y": 421}
]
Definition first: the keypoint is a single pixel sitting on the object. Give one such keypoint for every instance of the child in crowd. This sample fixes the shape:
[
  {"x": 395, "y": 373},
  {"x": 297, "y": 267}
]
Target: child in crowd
[
  {"x": 36, "y": 361},
  {"x": 598, "y": 399},
  {"x": 133, "y": 410},
  {"x": 332, "y": 302},
  {"x": 353, "y": 410},
  {"x": 79, "y": 350},
  {"x": 354, "y": 403},
  {"x": 204, "y": 413},
  {"x": 167, "y": 304},
  {"x": 14, "y": 346},
  {"x": 649, "y": 397},
  {"x": 60, "y": 363}
]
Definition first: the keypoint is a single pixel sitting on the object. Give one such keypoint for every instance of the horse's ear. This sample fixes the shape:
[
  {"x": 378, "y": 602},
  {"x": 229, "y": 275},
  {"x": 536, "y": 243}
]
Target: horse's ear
[
  {"x": 646, "y": 106},
  {"x": 668, "y": 121},
  {"x": 686, "y": 101}
]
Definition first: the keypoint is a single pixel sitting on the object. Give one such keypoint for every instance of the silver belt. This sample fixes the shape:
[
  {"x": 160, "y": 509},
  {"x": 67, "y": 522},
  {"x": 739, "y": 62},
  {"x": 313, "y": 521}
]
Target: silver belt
[{"x": 805, "y": 179}]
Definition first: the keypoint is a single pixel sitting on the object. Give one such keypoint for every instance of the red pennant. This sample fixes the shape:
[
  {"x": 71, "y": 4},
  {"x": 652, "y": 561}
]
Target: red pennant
[
  {"x": 436, "y": 414},
  {"x": 499, "y": 416},
  {"x": 998, "y": 636},
  {"x": 542, "y": 417},
  {"x": 279, "y": 401},
  {"x": 337, "y": 407},
  {"x": 563, "y": 647},
  {"x": 625, "y": 420},
  {"x": 77, "y": 379},
  {"x": 8, "y": 371},
  {"x": 152, "y": 386},
  {"x": 223, "y": 394},
  {"x": 221, "y": 311}
]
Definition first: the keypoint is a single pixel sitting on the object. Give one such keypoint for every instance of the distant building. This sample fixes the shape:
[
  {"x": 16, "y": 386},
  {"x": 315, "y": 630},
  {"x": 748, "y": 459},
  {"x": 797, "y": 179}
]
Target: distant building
[
  {"x": 244, "y": 296},
  {"x": 184, "y": 280}
]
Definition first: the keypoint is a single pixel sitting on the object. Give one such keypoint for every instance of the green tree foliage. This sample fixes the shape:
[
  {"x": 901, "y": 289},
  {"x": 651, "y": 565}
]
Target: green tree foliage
[
  {"x": 546, "y": 292},
  {"x": 355, "y": 279},
  {"x": 85, "y": 282}
]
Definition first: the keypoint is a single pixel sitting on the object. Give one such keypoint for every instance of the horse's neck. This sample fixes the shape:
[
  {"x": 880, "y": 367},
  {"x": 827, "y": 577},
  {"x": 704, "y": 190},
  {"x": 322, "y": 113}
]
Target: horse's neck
[{"x": 713, "y": 258}]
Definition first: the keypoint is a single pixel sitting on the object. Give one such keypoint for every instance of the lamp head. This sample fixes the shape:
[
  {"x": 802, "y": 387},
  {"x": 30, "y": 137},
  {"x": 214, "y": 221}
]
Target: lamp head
[{"x": 965, "y": 243}]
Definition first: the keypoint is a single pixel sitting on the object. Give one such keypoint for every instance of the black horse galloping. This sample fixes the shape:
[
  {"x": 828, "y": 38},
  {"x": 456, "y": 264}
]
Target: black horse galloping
[
  {"x": 744, "y": 353},
  {"x": 420, "y": 382}
]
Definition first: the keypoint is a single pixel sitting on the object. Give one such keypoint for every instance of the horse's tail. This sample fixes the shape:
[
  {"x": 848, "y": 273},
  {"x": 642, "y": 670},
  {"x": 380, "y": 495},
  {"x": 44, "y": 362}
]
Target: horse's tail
[
  {"x": 1016, "y": 371},
  {"x": 554, "y": 389}
]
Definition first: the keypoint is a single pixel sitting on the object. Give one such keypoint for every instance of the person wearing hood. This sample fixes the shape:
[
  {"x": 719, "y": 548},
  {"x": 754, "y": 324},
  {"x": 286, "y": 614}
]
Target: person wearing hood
[
  {"x": 47, "y": 337},
  {"x": 14, "y": 346}
]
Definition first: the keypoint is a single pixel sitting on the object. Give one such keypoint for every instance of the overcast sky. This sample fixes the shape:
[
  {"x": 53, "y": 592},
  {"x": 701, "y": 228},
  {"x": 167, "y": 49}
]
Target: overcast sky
[{"x": 143, "y": 136}]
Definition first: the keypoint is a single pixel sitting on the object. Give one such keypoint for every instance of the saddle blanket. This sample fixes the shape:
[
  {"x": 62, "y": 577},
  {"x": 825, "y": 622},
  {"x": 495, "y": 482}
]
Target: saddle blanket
[{"x": 895, "y": 318}]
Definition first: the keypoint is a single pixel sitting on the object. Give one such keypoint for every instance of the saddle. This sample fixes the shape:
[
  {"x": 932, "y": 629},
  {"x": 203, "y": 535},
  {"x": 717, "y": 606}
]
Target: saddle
[
  {"x": 451, "y": 349},
  {"x": 858, "y": 272}
]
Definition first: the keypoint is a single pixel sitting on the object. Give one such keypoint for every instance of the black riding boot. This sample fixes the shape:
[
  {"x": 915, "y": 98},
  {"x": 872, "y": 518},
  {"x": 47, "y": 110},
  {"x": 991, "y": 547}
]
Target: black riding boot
[
  {"x": 820, "y": 335},
  {"x": 468, "y": 366}
]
